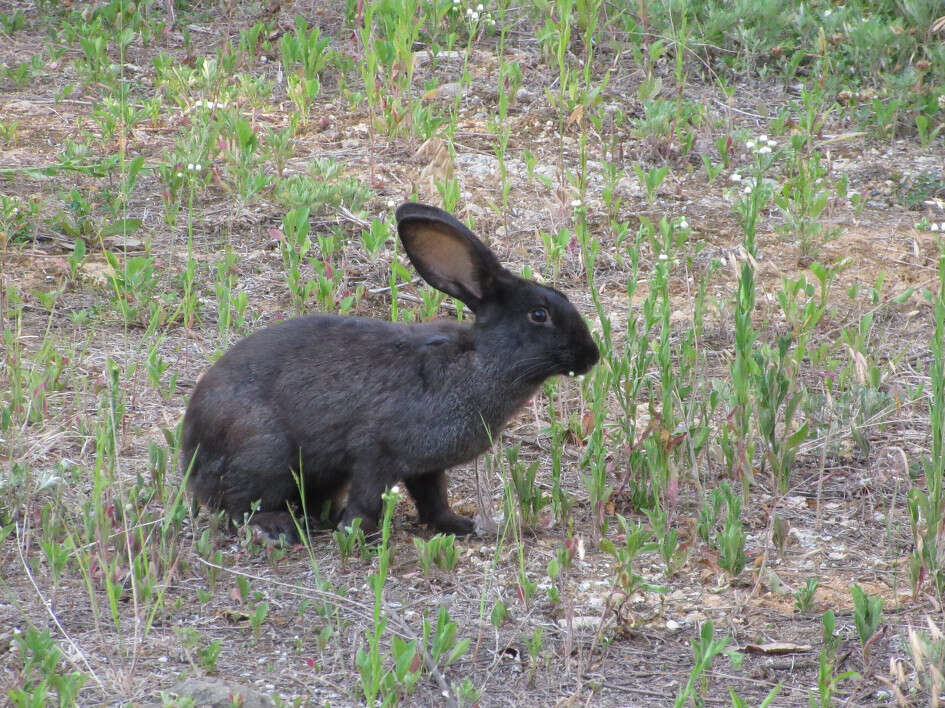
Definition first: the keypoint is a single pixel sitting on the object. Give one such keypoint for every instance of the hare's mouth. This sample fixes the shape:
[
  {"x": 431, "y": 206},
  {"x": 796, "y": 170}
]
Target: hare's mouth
[
  {"x": 583, "y": 364},
  {"x": 573, "y": 369}
]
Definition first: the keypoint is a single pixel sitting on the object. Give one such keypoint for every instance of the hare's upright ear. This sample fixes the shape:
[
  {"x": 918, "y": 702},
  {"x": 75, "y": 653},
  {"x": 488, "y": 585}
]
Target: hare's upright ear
[{"x": 447, "y": 254}]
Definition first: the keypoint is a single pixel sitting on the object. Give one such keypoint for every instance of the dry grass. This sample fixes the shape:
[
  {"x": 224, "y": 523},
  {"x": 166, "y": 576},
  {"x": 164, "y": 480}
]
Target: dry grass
[{"x": 846, "y": 506}]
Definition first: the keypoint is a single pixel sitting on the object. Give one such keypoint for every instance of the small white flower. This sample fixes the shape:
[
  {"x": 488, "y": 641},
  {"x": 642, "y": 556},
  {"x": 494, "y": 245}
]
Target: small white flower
[
  {"x": 747, "y": 189},
  {"x": 750, "y": 145},
  {"x": 684, "y": 224},
  {"x": 576, "y": 203},
  {"x": 479, "y": 7},
  {"x": 180, "y": 175},
  {"x": 198, "y": 167},
  {"x": 762, "y": 138},
  {"x": 772, "y": 143},
  {"x": 933, "y": 227},
  {"x": 663, "y": 257},
  {"x": 395, "y": 489},
  {"x": 190, "y": 166},
  {"x": 735, "y": 177},
  {"x": 827, "y": 12},
  {"x": 764, "y": 150}
]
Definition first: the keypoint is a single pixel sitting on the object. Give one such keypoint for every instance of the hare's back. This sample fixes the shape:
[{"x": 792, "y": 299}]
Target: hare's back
[{"x": 334, "y": 355}]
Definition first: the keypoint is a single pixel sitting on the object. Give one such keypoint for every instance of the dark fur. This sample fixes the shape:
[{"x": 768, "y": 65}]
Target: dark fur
[{"x": 361, "y": 404}]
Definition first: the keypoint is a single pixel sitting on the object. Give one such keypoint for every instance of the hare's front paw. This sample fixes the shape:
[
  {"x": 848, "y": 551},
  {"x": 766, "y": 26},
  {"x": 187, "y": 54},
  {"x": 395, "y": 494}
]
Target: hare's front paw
[{"x": 448, "y": 522}]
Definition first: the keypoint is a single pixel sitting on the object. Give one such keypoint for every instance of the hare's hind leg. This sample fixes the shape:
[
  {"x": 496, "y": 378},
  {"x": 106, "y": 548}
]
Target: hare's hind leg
[
  {"x": 260, "y": 470},
  {"x": 276, "y": 526},
  {"x": 429, "y": 494}
]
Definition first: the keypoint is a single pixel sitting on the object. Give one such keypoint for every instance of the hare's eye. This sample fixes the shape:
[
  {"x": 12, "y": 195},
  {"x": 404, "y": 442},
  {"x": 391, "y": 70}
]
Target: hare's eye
[{"x": 538, "y": 315}]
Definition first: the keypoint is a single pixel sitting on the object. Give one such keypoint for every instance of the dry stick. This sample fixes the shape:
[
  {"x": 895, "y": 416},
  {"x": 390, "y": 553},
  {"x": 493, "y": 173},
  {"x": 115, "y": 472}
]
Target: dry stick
[
  {"x": 895, "y": 495},
  {"x": 126, "y": 537},
  {"x": 585, "y": 659},
  {"x": 387, "y": 288},
  {"x": 820, "y": 478},
  {"x": 694, "y": 466},
  {"x": 49, "y": 611},
  {"x": 736, "y": 110},
  {"x": 764, "y": 553},
  {"x": 353, "y": 218},
  {"x": 434, "y": 670},
  {"x": 873, "y": 310},
  {"x": 901, "y": 700},
  {"x": 358, "y": 609},
  {"x": 341, "y": 602},
  {"x": 485, "y": 523},
  {"x": 190, "y": 658}
]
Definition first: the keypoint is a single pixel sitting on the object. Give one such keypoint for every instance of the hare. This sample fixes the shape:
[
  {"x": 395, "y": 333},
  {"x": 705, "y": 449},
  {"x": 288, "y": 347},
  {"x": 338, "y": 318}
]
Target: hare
[{"x": 358, "y": 404}]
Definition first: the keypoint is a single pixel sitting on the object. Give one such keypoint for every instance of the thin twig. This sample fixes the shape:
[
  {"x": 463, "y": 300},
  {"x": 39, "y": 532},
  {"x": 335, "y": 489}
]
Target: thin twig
[
  {"x": 359, "y": 609},
  {"x": 353, "y": 218},
  {"x": 820, "y": 477},
  {"x": 736, "y": 110},
  {"x": 52, "y": 615},
  {"x": 339, "y": 601},
  {"x": 407, "y": 632}
]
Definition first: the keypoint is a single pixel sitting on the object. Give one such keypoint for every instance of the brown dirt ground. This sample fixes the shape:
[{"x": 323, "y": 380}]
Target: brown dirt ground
[{"x": 847, "y": 504}]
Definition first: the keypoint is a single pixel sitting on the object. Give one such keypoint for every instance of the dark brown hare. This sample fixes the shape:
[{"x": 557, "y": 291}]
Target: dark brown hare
[{"x": 358, "y": 404}]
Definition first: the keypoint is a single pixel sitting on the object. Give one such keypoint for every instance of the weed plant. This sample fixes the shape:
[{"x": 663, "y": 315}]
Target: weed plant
[
  {"x": 192, "y": 176},
  {"x": 926, "y": 507}
]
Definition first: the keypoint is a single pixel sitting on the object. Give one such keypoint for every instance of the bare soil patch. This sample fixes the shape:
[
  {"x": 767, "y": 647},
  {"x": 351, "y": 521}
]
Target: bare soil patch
[{"x": 847, "y": 507}]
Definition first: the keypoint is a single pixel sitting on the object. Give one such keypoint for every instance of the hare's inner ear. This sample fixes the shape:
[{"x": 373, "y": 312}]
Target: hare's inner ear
[{"x": 450, "y": 258}]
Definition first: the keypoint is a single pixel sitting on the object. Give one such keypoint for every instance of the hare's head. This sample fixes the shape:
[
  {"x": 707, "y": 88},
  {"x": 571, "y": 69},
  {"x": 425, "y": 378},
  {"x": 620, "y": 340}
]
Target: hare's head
[{"x": 534, "y": 329}]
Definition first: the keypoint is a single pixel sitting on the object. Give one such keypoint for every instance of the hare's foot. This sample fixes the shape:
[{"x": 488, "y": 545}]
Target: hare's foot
[
  {"x": 429, "y": 494},
  {"x": 276, "y": 526}
]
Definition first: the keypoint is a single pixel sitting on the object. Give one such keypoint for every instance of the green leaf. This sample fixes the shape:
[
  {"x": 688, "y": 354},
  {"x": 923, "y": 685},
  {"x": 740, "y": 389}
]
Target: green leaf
[
  {"x": 404, "y": 653},
  {"x": 461, "y": 648},
  {"x": 121, "y": 226},
  {"x": 498, "y": 614},
  {"x": 134, "y": 167},
  {"x": 798, "y": 437}
]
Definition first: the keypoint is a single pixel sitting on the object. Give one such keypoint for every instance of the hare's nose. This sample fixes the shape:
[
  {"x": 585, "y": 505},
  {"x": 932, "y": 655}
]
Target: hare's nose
[{"x": 588, "y": 358}]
